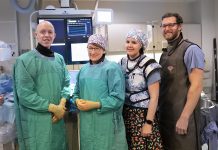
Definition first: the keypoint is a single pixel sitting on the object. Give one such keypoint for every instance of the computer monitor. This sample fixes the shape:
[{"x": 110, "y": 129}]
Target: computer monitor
[
  {"x": 79, "y": 27},
  {"x": 59, "y": 48},
  {"x": 79, "y": 53}
]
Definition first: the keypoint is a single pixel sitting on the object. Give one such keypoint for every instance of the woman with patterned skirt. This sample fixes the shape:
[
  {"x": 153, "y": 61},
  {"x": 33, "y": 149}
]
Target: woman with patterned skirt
[{"x": 142, "y": 90}]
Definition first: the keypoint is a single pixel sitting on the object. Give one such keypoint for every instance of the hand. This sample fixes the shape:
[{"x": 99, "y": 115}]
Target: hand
[
  {"x": 1, "y": 100},
  {"x": 146, "y": 130},
  {"x": 57, "y": 110},
  {"x": 86, "y": 105},
  {"x": 182, "y": 126},
  {"x": 54, "y": 119},
  {"x": 63, "y": 103}
]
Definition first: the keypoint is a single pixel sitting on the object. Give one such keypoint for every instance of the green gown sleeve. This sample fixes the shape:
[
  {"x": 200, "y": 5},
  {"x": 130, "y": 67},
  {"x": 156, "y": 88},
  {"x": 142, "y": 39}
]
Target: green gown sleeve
[
  {"x": 76, "y": 88},
  {"x": 25, "y": 89},
  {"x": 66, "y": 88},
  {"x": 116, "y": 90}
]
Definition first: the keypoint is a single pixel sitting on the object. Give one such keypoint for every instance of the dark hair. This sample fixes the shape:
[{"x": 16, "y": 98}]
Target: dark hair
[
  {"x": 179, "y": 19},
  {"x": 141, "y": 51}
]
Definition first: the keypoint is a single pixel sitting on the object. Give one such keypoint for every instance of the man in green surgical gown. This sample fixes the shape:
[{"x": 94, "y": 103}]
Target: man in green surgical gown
[
  {"x": 41, "y": 89},
  {"x": 99, "y": 94}
]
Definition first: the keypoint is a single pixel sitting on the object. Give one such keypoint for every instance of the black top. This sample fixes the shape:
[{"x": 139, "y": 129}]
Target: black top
[{"x": 44, "y": 51}]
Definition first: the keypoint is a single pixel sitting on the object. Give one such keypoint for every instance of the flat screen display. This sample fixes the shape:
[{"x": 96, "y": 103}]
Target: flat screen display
[
  {"x": 59, "y": 48},
  {"x": 79, "y": 52},
  {"x": 81, "y": 27}
]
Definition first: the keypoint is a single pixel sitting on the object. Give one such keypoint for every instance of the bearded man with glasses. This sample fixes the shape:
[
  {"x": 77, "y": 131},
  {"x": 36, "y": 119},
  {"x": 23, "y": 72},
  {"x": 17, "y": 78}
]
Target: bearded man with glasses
[{"x": 182, "y": 74}]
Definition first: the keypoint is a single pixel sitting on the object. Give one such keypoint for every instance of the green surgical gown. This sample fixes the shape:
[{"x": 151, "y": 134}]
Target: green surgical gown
[
  {"x": 39, "y": 81},
  {"x": 102, "y": 129}
]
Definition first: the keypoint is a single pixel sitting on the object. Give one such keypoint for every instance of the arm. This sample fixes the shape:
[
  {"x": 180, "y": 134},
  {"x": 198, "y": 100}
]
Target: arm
[
  {"x": 60, "y": 109},
  {"x": 116, "y": 90},
  {"x": 65, "y": 93},
  {"x": 25, "y": 89},
  {"x": 76, "y": 88},
  {"x": 196, "y": 85},
  {"x": 154, "y": 94}
]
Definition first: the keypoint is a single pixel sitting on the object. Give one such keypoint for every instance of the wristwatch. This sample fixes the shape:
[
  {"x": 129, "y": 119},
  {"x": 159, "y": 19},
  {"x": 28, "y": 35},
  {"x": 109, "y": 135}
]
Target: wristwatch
[{"x": 149, "y": 122}]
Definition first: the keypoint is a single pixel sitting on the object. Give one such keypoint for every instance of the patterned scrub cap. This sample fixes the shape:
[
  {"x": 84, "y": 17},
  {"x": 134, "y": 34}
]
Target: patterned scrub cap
[
  {"x": 139, "y": 36},
  {"x": 97, "y": 39}
]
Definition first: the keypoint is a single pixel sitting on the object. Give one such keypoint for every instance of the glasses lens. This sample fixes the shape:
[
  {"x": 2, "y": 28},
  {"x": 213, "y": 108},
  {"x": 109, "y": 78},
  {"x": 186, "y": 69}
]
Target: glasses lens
[
  {"x": 170, "y": 25},
  {"x": 93, "y": 49}
]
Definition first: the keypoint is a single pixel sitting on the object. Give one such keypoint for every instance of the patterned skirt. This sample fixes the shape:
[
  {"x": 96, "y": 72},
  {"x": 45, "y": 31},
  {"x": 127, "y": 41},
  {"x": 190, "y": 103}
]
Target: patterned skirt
[{"x": 134, "y": 119}]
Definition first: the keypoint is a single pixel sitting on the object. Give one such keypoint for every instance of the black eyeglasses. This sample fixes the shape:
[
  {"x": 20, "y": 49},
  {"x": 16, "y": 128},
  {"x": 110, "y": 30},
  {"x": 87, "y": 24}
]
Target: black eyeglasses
[
  {"x": 95, "y": 49},
  {"x": 170, "y": 25}
]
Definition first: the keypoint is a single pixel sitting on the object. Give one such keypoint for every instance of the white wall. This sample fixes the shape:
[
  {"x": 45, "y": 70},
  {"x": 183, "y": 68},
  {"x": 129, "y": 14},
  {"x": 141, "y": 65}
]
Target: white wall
[
  {"x": 24, "y": 31},
  {"x": 208, "y": 28},
  {"x": 8, "y": 24},
  {"x": 216, "y": 17},
  {"x": 141, "y": 12},
  {"x": 7, "y": 12},
  {"x": 8, "y": 30}
]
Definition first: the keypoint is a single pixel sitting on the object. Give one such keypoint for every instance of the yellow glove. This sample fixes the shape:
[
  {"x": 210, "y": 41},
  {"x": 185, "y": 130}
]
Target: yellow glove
[
  {"x": 86, "y": 105},
  {"x": 54, "y": 119},
  {"x": 63, "y": 103},
  {"x": 57, "y": 110}
]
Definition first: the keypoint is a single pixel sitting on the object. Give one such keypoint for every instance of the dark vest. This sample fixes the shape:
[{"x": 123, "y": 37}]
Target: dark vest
[{"x": 173, "y": 96}]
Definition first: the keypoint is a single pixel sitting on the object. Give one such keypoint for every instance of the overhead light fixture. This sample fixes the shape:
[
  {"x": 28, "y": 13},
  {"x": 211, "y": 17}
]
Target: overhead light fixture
[{"x": 103, "y": 16}]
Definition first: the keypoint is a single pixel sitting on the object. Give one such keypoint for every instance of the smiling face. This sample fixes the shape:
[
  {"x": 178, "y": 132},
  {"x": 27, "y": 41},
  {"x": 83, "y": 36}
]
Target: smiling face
[
  {"x": 95, "y": 52},
  {"x": 132, "y": 47},
  {"x": 45, "y": 34},
  {"x": 170, "y": 28}
]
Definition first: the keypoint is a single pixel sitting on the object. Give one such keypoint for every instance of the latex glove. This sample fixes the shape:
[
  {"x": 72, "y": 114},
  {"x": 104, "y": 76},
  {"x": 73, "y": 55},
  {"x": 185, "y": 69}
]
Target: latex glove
[
  {"x": 54, "y": 119},
  {"x": 57, "y": 110},
  {"x": 63, "y": 103},
  {"x": 86, "y": 105}
]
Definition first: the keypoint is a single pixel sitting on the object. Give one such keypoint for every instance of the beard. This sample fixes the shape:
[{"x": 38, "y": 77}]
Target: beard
[{"x": 171, "y": 36}]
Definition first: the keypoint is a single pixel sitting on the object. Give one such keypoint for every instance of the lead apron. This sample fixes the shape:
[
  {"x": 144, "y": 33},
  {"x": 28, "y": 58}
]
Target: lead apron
[{"x": 173, "y": 96}]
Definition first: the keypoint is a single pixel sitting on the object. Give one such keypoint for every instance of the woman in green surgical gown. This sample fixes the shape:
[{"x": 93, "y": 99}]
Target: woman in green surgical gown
[
  {"x": 99, "y": 95},
  {"x": 41, "y": 86}
]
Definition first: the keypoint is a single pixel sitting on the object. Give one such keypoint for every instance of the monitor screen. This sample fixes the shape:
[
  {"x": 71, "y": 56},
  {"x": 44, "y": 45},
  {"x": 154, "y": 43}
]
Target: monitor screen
[
  {"x": 59, "y": 48},
  {"x": 79, "y": 27},
  {"x": 79, "y": 52},
  {"x": 59, "y": 26}
]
